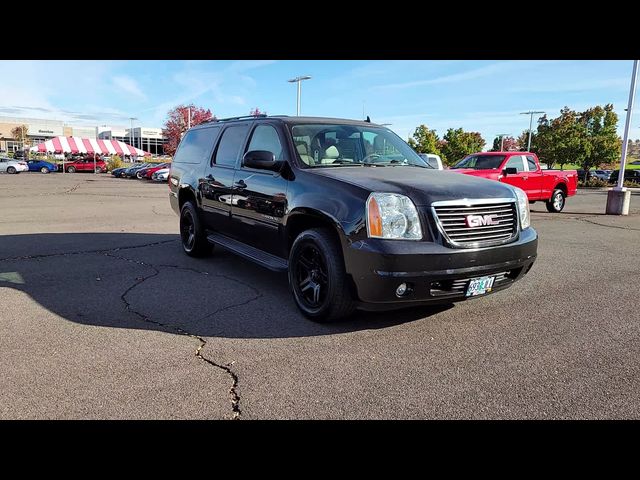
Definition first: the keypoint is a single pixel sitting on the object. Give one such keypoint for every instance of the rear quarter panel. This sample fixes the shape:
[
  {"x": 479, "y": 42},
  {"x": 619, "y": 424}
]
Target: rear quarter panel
[{"x": 553, "y": 178}]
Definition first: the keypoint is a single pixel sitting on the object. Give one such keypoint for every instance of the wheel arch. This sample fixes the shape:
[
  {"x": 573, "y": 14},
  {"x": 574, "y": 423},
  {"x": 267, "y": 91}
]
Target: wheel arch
[{"x": 304, "y": 218}]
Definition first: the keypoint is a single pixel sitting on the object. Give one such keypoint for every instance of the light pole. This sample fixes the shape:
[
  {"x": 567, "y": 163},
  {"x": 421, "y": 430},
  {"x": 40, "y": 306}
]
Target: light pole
[
  {"x": 298, "y": 80},
  {"x": 619, "y": 198},
  {"x": 530, "y": 112},
  {"x": 501, "y": 136},
  {"x": 131, "y": 131}
]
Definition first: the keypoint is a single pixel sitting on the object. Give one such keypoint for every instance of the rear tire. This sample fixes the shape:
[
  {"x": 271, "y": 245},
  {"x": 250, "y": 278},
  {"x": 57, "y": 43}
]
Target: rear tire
[
  {"x": 11, "y": 170},
  {"x": 44, "y": 170},
  {"x": 193, "y": 239},
  {"x": 71, "y": 169},
  {"x": 317, "y": 276},
  {"x": 556, "y": 202}
]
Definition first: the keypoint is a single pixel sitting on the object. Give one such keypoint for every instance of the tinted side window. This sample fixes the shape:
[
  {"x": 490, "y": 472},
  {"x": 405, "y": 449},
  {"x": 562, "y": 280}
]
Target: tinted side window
[
  {"x": 196, "y": 145},
  {"x": 230, "y": 145},
  {"x": 515, "y": 162},
  {"x": 265, "y": 137},
  {"x": 532, "y": 163}
]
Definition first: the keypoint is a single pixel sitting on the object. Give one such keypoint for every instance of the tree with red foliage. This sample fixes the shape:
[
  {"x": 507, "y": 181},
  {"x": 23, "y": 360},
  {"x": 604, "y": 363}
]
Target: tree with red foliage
[
  {"x": 178, "y": 122},
  {"x": 509, "y": 144},
  {"x": 256, "y": 112}
]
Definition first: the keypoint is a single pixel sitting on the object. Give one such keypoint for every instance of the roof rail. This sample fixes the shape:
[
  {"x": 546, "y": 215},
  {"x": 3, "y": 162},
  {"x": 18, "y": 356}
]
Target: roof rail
[{"x": 243, "y": 117}]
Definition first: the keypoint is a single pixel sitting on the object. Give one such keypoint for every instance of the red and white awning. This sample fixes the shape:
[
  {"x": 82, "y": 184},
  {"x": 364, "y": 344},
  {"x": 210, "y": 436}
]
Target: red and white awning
[{"x": 87, "y": 145}]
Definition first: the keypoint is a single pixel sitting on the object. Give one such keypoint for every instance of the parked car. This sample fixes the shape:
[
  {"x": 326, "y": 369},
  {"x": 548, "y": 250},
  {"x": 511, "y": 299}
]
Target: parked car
[
  {"x": 131, "y": 171},
  {"x": 433, "y": 160},
  {"x": 636, "y": 162},
  {"x": 600, "y": 174},
  {"x": 148, "y": 171},
  {"x": 41, "y": 166},
  {"x": 631, "y": 175},
  {"x": 11, "y": 165},
  {"x": 118, "y": 172},
  {"x": 86, "y": 164},
  {"x": 375, "y": 229},
  {"x": 18, "y": 154},
  {"x": 522, "y": 170},
  {"x": 161, "y": 175}
]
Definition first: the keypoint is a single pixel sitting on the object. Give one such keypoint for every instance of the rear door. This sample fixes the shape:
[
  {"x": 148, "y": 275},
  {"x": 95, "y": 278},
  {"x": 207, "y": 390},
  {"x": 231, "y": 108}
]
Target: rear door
[
  {"x": 216, "y": 186},
  {"x": 519, "y": 179},
  {"x": 260, "y": 196},
  {"x": 535, "y": 180}
]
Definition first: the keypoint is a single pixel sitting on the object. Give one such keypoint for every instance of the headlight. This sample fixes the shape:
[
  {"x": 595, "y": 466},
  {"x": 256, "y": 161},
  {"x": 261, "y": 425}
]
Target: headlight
[
  {"x": 523, "y": 207},
  {"x": 390, "y": 215}
]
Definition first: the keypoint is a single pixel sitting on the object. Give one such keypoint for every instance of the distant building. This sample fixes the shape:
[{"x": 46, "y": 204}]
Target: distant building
[
  {"x": 40, "y": 130},
  {"x": 148, "y": 139}
]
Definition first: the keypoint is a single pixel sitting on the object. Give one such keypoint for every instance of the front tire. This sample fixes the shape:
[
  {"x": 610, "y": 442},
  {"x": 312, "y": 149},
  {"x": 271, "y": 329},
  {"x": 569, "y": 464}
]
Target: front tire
[
  {"x": 71, "y": 169},
  {"x": 44, "y": 170},
  {"x": 194, "y": 241},
  {"x": 556, "y": 202},
  {"x": 317, "y": 276}
]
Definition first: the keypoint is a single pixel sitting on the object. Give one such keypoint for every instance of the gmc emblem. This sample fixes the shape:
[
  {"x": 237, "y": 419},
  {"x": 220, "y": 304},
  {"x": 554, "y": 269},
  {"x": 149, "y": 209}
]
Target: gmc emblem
[{"x": 479, "y": 220}]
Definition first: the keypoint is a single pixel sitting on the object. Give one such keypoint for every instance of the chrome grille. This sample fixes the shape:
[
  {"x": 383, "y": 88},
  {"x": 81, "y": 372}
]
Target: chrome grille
[{"x": 451, "y": 219}]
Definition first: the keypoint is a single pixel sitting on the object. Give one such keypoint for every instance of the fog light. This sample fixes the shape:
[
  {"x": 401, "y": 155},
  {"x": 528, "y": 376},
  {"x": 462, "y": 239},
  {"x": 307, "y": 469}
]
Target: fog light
[{"x": 402, "y": 289}]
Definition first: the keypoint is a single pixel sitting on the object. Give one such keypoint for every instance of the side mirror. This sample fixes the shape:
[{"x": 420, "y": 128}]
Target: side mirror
[
  {"x": 261, "y": 159},
  {"x": 509, "y": 171}
]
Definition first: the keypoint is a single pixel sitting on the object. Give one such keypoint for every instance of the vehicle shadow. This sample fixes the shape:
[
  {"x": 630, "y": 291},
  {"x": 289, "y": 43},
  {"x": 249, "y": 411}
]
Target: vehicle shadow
[{"x": 145, "y": 281}]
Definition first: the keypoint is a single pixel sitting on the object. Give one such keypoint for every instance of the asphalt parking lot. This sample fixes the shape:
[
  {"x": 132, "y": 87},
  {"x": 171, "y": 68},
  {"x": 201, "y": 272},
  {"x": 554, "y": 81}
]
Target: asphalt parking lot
[{"x": 103, "y": 316}]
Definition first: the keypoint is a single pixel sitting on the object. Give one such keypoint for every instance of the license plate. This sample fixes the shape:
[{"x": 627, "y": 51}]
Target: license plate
[{"x": 480, "y": 286}]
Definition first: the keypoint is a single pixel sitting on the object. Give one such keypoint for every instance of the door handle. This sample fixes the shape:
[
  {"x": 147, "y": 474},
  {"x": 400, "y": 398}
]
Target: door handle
[
  {"x": 240, "y": 185},
  {"x": 524, "y": 178}
]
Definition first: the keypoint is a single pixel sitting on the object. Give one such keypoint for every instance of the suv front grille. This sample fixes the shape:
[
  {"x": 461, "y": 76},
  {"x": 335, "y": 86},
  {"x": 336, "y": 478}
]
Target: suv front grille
[{"x": 477, "y": 223}]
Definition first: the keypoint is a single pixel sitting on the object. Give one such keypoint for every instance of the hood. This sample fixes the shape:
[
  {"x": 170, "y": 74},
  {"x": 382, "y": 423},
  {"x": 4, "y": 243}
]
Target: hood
[{"x": 422, "y": 185}]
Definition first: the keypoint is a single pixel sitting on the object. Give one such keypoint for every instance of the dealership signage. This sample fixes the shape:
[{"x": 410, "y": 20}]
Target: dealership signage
[{"x": 46, "y": 130}]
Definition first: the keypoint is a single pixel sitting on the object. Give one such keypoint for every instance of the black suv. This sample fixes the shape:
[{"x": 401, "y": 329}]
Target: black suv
[{"x": 350, "y": 211}]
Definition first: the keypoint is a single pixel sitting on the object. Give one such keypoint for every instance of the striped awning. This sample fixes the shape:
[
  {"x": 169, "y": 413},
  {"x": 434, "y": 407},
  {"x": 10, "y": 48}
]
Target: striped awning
[{"x": 87, "y": 145}]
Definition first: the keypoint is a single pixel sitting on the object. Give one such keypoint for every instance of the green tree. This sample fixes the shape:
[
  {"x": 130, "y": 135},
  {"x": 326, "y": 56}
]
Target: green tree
[
  {"x": 114, "y": 162},
  {"x": 600, "y": 143},
  {"x": 457, "y": 144},
  {"x": 425, "y": 140}
]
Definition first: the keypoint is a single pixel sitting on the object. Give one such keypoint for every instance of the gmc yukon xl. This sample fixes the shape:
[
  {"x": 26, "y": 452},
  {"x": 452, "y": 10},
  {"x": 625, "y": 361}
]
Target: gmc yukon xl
[{"x": 353, "y": 215}]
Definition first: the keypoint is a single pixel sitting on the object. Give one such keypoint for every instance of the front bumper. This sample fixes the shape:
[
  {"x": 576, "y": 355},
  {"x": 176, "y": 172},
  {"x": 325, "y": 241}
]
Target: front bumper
[{"x": 434, "y": 273}]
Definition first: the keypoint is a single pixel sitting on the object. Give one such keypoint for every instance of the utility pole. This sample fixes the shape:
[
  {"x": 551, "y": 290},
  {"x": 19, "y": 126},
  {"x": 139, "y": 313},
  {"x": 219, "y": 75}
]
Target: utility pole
[
  {"x": 188, "y": 118},
  {"x": 618, "y": 198},
  {"x": 532, "y": 113}
]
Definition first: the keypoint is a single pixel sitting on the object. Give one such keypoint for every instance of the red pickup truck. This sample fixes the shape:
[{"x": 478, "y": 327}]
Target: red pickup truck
[
  {"x": 522, "y": 169},
  {"x": 85, "y": 165}
]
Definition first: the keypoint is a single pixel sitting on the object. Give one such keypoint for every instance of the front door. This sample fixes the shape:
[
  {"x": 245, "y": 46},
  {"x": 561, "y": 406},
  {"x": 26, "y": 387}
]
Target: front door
[
  {"x": 216, "y": 186},
  {"x": 260, "y": 196}
]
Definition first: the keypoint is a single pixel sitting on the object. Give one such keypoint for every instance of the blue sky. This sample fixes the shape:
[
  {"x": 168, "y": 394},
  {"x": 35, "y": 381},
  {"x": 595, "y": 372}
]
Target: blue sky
[{"x": 484, "y": 96}]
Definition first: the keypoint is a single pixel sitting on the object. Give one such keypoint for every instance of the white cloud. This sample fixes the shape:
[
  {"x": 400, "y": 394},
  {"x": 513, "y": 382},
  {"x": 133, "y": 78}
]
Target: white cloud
[
  {"x": 617, "y": 83},
  {"x": 128, "y": 85}
]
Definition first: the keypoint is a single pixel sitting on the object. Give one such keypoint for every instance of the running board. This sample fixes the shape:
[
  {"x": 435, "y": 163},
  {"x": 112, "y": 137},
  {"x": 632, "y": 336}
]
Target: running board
[{"x": 256, "y": 255}]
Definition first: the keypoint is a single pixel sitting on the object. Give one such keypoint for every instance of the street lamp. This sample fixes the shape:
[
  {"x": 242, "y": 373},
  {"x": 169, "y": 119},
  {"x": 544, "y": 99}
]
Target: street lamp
[
  {"x": 530, "y": 112},
  {"x": 131, "y": 130},
  {"x": 298, "y": 80},
  {"x": 501, "y": 136}
]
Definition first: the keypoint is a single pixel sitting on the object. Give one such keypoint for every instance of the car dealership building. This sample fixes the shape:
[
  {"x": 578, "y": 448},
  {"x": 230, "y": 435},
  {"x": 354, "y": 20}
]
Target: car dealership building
[{"x": 40, "y": 130}]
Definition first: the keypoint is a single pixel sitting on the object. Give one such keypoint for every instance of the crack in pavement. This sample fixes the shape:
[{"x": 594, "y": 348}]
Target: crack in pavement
[
  {"x": 582, "y": 219},
  {"x": 81, "y": 252},
  {"x": 235, "y": 397}
]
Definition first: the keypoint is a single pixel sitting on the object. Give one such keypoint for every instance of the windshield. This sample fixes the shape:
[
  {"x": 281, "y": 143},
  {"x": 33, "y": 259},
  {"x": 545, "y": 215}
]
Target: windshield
[
  {"x": 480, "y": 162},
  {"x": 352, "y": 145}
]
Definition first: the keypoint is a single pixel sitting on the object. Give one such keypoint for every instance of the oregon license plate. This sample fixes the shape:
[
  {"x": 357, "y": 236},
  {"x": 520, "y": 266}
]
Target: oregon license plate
[{"x": 480, "y": 286}]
